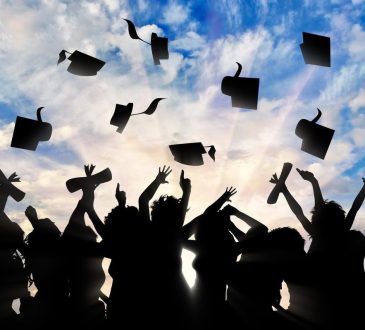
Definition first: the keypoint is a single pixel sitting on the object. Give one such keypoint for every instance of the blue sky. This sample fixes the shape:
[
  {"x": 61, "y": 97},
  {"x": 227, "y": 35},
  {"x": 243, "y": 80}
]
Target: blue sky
[{"x": 206, "y": 38}]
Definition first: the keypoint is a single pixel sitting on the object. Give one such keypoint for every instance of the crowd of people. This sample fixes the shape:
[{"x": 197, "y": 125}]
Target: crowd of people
[{"x": 239, "y": 274}]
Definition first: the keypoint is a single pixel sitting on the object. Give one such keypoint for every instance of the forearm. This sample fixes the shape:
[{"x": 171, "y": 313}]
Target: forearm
[
  {"x": 239, "y": 234},
  {"x": 253, "y": 223},
  {"x": 185, "y": 202},
  {"x": 355, "y": 207},
  {"x": 3, "y": 200},
  {"x": 77, "y": 216},
  {"x": 217, "y": 204},
  {"x": 297, "y": 210},
  {"x": 145, "y": 198},
  {"x": 98, "y": 224},
  {"x": 318, "y": 198}
]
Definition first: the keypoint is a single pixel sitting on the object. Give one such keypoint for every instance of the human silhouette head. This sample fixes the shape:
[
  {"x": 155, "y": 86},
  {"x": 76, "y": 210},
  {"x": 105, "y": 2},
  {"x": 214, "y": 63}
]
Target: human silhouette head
[
  {"x": 118, "y": 217},
  {"x": 166, "y": 212},
  {"x": 327, "y": 218},
  {"x": 284, "y": 248},
  {"x": 213, "y": 227}
]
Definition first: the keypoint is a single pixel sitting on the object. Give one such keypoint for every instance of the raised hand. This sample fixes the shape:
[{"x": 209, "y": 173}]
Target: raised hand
[
  {"x": 274, "y": 179},
  {"x": 229, "y": 193},
  {"x": 306, "y": 175},
  {"x": 120, "y": 196},
  {"x": 185, "y": 183},
  {"x": 13, "y": 178},
  {"x": 88, "y": 189},
  {"x": 31, "y": 212},
  {"x": 89, "y": 169},
  {"x": 162, "y": 174}
]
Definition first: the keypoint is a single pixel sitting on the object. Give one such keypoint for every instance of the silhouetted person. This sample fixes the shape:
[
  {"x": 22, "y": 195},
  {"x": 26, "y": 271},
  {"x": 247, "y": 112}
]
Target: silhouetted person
[
  {"x": 84, "y": 262},
  {"x": 126, "y": 241},
  {"x": 45, "y": 261},
  {"x": 169, "y": 293},
  {"x": 13, "y": 277},
  {"x": 335, "y": 293},
  {"x": 213, "y": 246},
  {"x": 256, "y": 279}
]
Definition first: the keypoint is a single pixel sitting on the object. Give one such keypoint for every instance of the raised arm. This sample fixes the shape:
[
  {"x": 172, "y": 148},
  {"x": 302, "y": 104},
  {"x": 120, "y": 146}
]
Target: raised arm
[
  {"x": 238, "y": 233},
  {"x": 256, "y": 228},
  {"x": 185, "y": 185},
  {"x": 294, "y": 206},
  {"x": 355, "y": 206},
  {"x": 253, "y": 223},
  {"x": 98, "y": 224},
  {"x": 5, "y": 188},
  {"x": 149, "y": 192},
  {"x": 221, "y": 200},
  {"x": 309, "y": 176}
]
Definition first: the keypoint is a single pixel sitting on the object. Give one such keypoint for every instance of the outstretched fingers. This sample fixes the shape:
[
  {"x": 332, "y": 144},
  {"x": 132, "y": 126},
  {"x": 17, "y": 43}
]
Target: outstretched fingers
[{"x": 274, "y": 179}]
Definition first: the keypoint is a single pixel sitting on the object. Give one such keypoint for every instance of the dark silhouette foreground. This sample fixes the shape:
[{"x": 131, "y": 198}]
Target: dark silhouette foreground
[{"x": 239, "y": 274}]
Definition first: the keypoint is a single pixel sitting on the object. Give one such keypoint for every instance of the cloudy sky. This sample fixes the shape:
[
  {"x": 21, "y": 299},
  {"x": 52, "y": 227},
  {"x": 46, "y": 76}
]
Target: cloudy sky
[{"x": 206, "y": 38}]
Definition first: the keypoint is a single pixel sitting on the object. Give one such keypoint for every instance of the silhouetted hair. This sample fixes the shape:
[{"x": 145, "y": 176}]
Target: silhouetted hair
[
  {"x": 329, "y": 216},
  {"x": 45, "y": 229},
  {"x": 286, "y": 238},
  {"x": 116, "y": 212},
  {"x": 166, "y": 210}
]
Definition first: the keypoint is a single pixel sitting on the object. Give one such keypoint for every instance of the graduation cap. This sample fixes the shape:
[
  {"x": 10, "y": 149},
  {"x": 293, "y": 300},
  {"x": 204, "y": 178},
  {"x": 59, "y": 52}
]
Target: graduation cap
[
  {"x": 243, "y": 91},
  {"x": 158, "y": 44},
  {"x": 316, "y": 49},
  {"x": 122, "y": 113},
  {"x": 191, "y": 153},
  {"x": 316, "y": 138},
  {"x": 28, "y": 132},
  {"x": 273, "y": 197},
  {"x": 7, "y": 188},
  {"x": 81, "y": 64},
  {"x": 78, "y": 183}
]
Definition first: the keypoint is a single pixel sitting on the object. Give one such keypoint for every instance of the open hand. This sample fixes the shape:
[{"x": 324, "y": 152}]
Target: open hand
[
  {"x": 162, "y": 174},
  {"x": 306, "y": 175},
  {"x": 274, "y": 179},
  {"x": 229, "y": 193}
]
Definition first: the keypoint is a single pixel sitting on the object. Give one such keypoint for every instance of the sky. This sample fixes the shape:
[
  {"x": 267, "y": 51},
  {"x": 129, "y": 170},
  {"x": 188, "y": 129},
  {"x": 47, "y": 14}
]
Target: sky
[{"x": 206, "y": 39}]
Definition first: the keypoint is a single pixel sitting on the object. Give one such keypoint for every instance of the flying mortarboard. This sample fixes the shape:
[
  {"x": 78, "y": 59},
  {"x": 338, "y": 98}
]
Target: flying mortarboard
[
  {"x": 81, "y": 64},
  {"x": 316, "y": 138},
  {"x": 28, "y": 132},
  {"x": 273, "y": 197},
  {"x": 191, "y": 153},
  {"x": 316, "y": 49},
  {"x": 122, "y": 113},
  {"x": 159, "y": 45},
  {"x": 7, "y": 187},
  {"x": 243, "y": 91}
]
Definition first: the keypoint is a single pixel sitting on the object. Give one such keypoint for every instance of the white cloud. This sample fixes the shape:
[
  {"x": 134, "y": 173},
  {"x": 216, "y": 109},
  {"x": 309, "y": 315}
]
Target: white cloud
[
  {"x": 358, "y": 101},
  {"x": 175, "y": 13},
  {"x": 189, "y": 42},
  {"x": 357, "y": 43}
]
